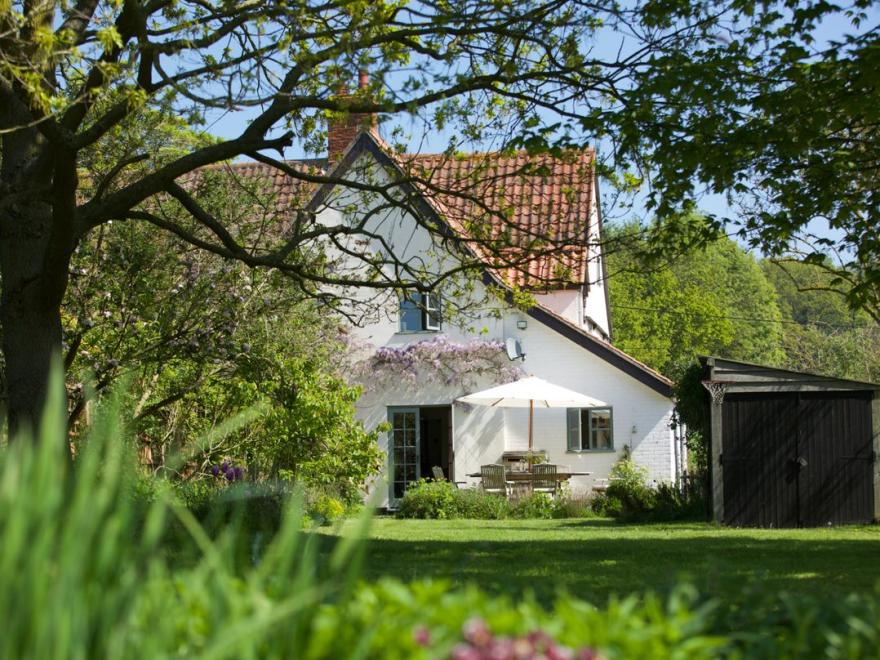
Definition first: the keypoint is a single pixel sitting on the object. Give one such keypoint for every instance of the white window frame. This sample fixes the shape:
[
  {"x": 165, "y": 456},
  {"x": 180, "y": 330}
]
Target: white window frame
[
  {"x": 428, "y": 305},
  {"x": 431, "y": 310}
]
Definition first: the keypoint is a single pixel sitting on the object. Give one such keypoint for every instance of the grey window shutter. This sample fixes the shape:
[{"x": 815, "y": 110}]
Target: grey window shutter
[{"x": 573, "y": 416}]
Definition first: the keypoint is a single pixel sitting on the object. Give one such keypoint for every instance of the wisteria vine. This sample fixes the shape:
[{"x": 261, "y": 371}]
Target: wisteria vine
[{"x": 440, "y": 360}]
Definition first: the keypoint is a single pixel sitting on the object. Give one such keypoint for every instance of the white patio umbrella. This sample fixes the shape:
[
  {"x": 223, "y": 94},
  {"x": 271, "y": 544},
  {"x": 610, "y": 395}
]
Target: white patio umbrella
[{"x": 528, "y": 393}]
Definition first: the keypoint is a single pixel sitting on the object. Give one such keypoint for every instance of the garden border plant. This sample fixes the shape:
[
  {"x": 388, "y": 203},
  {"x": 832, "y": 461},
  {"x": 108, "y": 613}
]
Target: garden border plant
[
  {"x": 441, "y": 499},
  {"x": 630, "y": 498}
]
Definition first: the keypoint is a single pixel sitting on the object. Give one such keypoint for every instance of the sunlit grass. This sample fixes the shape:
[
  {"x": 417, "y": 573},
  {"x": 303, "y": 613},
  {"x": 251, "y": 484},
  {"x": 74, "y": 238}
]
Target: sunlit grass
[{"x": 594, "y": 559}]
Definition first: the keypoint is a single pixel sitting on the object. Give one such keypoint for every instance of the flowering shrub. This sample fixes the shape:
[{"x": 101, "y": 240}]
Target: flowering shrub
[
  {"x": 326, "y": 509},
  {"x": 480, "y": 644},
  {"x": 440, "y": 360},
  {"x": 228, "y": 471}
]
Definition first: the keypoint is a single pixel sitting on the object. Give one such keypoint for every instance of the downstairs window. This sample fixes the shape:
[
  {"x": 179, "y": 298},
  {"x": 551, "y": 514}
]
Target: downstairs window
[{"x": 590, "y": 429}]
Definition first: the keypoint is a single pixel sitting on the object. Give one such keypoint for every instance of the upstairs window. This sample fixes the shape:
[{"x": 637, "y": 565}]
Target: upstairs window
[
  {"x": 419, "y": 312},
  {"x": 590, "y": 429}
]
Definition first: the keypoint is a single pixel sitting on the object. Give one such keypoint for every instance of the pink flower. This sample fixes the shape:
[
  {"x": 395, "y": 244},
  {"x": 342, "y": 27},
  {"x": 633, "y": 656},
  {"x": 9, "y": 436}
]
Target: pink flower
[
  {"x": 465, "y": 652},
  {"x": 476, "y": 632},
  {"x": 422, "y": 636}
]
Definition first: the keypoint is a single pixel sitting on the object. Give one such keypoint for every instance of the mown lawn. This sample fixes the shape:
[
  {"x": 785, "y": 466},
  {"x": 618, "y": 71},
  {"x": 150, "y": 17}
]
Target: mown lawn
[{"x": 594, "y": 559}]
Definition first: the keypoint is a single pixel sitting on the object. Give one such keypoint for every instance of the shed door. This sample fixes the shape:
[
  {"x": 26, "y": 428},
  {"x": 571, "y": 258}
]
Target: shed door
[
  {"x": 759, "y": 446},
  {"x": 834, "y": 441},
  {"x": 797, "y": 459}
]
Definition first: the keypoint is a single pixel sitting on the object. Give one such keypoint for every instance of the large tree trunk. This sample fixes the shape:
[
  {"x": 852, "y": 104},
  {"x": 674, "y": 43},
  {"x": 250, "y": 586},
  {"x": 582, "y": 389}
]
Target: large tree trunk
[
  {"x": 35, "y": 249},
  {"x": 30, "y": 312}
]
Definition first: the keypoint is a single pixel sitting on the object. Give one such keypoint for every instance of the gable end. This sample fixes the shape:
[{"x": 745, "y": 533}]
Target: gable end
[{"x": 615, "y": 357}]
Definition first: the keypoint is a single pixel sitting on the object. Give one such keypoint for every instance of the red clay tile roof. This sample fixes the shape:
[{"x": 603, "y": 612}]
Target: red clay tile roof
[
  {"x": 288, "y": 193},
  {"x": 541, "y": 203}
]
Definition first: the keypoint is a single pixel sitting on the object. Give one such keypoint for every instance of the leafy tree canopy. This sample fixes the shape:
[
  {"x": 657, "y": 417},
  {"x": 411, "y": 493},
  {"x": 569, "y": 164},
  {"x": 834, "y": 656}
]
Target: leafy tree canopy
[
  {"x": 712, "y": 300},
  {"x": 823, "y": 335},
  {"x": 762, "y": 106},
  {"x": 76, "y": 76},
  {"x": 731, "y": 97}
]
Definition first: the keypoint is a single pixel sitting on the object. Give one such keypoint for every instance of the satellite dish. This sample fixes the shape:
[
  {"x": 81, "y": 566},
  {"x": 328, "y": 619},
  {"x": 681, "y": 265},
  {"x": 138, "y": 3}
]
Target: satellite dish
[{"x": 514, "y": 349}]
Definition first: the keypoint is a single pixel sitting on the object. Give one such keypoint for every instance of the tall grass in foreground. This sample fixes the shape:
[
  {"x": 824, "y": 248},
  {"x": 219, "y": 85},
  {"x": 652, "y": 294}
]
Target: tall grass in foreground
[{"x": 86, "y": 571}]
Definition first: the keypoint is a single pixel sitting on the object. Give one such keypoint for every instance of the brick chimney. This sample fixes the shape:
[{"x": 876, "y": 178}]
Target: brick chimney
[{"x": 342, "y": 131}]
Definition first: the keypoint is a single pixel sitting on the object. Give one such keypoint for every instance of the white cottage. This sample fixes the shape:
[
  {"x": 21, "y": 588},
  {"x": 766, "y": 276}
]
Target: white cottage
[{"x": 565, "y": 337}]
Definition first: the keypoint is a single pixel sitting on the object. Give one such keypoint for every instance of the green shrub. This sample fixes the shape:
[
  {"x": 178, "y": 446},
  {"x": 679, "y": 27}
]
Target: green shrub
[
  {"x": 535, "y": 505},
  {"x": 475, "y": 503},
  {"x": 607, "y": 506},
  {"x": 428, "y": 499},
  {"x": 628, "y": 484},
  {"x": 441, "y": 499},
  {"x": 628, "y": 495},
  {"x": 326, "y": 509},
  {"x": 670, "y": 504}
]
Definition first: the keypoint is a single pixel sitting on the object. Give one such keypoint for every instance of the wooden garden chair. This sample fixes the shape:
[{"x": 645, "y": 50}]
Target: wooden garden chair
[
  {"x": 493, "y": 480},
  {"x": 544, "y": 478},
  {"x": 437, "y": 471}
]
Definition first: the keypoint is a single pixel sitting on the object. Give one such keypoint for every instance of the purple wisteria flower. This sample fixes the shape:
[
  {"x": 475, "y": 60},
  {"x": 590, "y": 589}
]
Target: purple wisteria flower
[{"x": 440, "y": 360}]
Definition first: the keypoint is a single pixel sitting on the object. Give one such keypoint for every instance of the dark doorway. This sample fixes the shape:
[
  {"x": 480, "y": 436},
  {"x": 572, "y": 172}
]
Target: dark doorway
[
  {"x": 420, "y": 439},
  {"x": 436, "y": 439}
]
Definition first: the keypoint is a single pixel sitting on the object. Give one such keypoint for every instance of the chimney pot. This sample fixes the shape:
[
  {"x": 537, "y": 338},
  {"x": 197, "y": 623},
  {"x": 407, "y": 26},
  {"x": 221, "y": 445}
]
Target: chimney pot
[{"x": 341, "y": 132}]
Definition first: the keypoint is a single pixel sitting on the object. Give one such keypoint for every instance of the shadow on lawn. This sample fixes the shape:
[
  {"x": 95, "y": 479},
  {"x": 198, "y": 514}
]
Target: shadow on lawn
[{"x": 726, "y": 565}]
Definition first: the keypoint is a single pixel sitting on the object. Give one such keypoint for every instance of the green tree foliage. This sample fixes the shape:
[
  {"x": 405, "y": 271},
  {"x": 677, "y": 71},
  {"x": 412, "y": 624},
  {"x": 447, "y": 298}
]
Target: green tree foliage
[
  {"x": 823, "y": 335},
  {"x": 713, "y": 300},
  {"x": 775, "y": 104},
  {"x": 202, "y": 339}
]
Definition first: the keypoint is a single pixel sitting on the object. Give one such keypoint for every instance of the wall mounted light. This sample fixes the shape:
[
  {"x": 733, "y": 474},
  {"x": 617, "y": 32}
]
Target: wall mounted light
[{"x": 522, "y": 324}]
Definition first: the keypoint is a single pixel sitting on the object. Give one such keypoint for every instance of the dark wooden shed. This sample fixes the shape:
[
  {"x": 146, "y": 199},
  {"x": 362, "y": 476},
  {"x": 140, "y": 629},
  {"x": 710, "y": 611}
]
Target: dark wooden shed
[{"x": 791, "y": 449}]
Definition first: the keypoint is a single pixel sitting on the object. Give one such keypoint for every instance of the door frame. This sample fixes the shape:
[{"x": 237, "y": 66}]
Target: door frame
[
  {"x": 392, "y": 410},
  {"x": 450, "y": 469}
]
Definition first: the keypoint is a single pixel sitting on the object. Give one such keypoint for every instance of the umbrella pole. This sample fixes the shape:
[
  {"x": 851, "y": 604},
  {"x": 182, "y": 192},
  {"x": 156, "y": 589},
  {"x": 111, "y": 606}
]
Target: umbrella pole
[{"x": 531, "y": 419}]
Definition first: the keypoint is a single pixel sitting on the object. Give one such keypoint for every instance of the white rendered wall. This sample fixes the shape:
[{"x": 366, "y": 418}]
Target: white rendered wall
[
  {"x": 567, "y": 303},
  {"x": 595, "y": 305},
  {"x": 641, "y": 416},
  {"x": 557, "y": 359}
]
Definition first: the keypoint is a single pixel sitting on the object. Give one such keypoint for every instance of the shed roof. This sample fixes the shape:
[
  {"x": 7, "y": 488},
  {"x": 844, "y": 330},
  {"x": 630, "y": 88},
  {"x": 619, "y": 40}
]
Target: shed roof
[{"x": 748, "y": 377}]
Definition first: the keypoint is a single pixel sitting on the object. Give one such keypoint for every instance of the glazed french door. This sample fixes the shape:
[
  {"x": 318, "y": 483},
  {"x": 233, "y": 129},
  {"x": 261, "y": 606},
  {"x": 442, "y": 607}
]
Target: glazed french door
[{"x": 403, "y": 451}]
